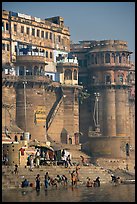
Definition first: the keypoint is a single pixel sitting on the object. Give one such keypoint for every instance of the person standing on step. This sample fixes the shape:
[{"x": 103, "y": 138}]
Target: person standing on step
[
  {"x": 38, "y": 182},
  {"x": 37, "y": 157},
  {"x": 77, "y": 171},
  {"x": 46, "y": 181}
]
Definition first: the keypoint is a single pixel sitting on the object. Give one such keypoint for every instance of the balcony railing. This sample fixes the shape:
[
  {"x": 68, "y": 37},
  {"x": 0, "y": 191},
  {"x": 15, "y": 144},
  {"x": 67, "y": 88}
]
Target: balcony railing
[
  {"x": 30, "y": 59},
  {"x": 31, "y": 78}
]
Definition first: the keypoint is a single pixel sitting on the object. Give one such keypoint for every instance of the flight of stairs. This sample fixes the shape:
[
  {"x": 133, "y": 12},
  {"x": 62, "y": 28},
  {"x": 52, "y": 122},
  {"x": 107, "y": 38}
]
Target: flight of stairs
[{"x": 9, "y": 179}]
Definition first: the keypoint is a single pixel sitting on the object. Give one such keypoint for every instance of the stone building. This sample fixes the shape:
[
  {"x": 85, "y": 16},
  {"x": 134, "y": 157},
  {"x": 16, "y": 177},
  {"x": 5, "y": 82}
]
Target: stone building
[
  {"x": 107, "y": 116},
  {"x": 40, "y": 77},
  {"x": 42, "y": 84}
]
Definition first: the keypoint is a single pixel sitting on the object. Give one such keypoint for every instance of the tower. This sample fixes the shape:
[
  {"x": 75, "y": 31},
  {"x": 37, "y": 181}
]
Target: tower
[
  {"x": 109, "y": 65},
  {"x": 107, "y": 115}
]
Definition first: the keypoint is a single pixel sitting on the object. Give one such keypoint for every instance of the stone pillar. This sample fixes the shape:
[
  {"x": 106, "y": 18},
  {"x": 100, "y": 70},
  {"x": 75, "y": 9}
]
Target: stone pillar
[
  {"x": 120, "y": 112},
  {"x": 109, "y": 118}
]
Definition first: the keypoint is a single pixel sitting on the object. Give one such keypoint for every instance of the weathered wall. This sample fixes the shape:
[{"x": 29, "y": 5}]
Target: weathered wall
[
  {"x": 38, "y": 103},
  {"x": 9, "y": 106}
]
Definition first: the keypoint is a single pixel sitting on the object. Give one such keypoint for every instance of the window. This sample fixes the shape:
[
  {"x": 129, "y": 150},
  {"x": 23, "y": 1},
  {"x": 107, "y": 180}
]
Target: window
[
  {"x": 28, "y": 30},
  {"x": 22, "y": 29},
  {"x": 47, "y": 34},
  {"x": 68, "y": 74},
  {"x": 120, "y": 59},
  {"x": 8, "y": 47},
  {"x": 50, "y": 36},
  {"x": 92, "y": 59},
  {"x": 16, "y": 48},
  {"x": 75, "y": 74},
  {"x": 2, "y": 25},
  {"x": 38, "y": 33},
  {"x": 33, "y": 31},
  {"x": 15, "y": 28},
  {"x": 42, "y": 34},
  {"x": 113, "y": 58},
  {"x": 3, "y": 46},
  {"x": 7, "y": 26},
  {"x": 121, "y": 76},
  {"x": 59, "y": 38},
  {"x": 47, "y": 54},
  {"x": 108, "y": 79},
  {"x": 50, "y": 54},
  {"x": 107, "y": 58}
]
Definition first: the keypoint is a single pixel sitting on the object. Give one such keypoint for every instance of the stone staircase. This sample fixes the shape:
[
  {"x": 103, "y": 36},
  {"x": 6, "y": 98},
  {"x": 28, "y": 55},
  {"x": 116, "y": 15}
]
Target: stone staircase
[
  {"x": 11, "y": 180},
  {"x": 95, "y": 167}
]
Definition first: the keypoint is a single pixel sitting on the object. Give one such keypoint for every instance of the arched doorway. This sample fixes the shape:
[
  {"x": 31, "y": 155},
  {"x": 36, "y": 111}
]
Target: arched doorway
[{"x": 70, "y": 141}]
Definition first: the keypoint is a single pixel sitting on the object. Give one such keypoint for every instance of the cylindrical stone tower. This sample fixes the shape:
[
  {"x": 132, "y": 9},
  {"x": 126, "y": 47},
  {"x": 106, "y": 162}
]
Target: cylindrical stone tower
[{"x": 109, "y": 65}]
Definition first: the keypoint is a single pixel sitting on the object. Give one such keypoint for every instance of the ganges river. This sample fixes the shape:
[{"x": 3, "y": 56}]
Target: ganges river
[{"x": 104, "y": 193}]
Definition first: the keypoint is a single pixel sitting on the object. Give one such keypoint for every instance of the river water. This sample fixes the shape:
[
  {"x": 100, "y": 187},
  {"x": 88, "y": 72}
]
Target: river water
[{"x": 104, "y": 193}]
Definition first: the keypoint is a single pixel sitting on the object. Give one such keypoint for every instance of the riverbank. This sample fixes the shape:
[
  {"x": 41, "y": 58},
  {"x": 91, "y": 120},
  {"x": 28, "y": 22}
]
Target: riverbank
[
  {"x": 11, "y": 180},
  {"x": 104, "y": 193}
]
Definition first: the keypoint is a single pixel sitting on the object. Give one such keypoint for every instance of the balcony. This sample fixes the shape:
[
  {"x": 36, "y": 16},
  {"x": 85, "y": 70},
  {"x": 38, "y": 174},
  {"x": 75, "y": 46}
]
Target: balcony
[
  {"x": 11, "y": 78},
  {"x": 110, "y": 65},
  {"x": 30, "y": 59}
]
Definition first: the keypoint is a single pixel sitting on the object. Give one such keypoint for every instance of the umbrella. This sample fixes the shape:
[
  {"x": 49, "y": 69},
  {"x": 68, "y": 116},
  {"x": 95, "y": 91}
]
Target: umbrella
[
  {"x": 56, "y": 146},
  {"x": 33, "y": 143}
]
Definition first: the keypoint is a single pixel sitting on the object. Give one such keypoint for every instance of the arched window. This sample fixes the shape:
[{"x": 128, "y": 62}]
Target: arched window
[
  {"x": 21, "y": 71},
  {"x": 123, "y": 58},
  {"x": 29, "y": 71},
  {"x": 68, "y": 74},
  {"x": 35, "y": 70},
  {"x": 121, "y": 76},
  {"x": 113, "y": 58},
  {"x": 75, "y": 74},
  {"x": 108, "y": 79},
  {"x": 96, "y": 59},
  {"x": 41, "y": 71},
  {"x": 92, "y": 59},
  {"x": 107, "y": 58},
  {"x": 120, "y": 59},
  {"x": 102, "y": 58}
]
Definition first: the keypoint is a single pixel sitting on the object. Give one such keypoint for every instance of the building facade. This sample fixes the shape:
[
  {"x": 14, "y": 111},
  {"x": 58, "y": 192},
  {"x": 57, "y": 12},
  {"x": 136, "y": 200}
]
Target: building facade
[
  {"x": 37, "y": 73},
  {"x": 44, "y": 78},
  {"x": 105, "y": 72}
]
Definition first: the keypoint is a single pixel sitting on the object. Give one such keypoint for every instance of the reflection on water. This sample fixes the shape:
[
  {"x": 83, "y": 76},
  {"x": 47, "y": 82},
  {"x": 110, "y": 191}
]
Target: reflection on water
[{"x": 105, "y": 193}]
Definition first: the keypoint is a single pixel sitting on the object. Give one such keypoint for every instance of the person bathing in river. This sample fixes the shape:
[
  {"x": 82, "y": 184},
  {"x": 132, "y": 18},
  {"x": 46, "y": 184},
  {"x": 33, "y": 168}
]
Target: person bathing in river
[{"x": 89, "y": 182}]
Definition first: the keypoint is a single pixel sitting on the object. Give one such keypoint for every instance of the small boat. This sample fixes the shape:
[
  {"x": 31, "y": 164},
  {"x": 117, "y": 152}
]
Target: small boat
[{"x": 128, "y": 181}]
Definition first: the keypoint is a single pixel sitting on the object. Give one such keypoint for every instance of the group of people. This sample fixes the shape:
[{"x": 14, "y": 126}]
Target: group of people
[
  {"x": 115, "y": 179},
  {"x": 50, "y": 181},
  {"x": 94, "y": 183},
  {"x": 66, "y": 158}
]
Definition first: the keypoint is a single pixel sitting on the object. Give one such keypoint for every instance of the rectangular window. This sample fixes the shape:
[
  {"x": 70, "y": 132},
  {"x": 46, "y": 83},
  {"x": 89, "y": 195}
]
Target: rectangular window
[
  {"x": 47, "y": 54},
  {"x": 50, "y": 36},
  {"x": 8, "y": 47},
  {"x": 15, "y": 28},
  {"x": 22, "y": 29},
  {"x": 42, "y": 34},
  {"x": 28, "y": 30},
  {"x": 7, "y": 26},
  {"x": 59, "y": 38},
  {"x": 38, "y": 32},
  {"x": 3, "y": 46},
  {"x": 33, "y": 31},
  {"x": 2, "y": 25},
  {"x": 47, "y": 34},
  {"x": 16, "y": 48},
  {"x": 50, "y": 54}
]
